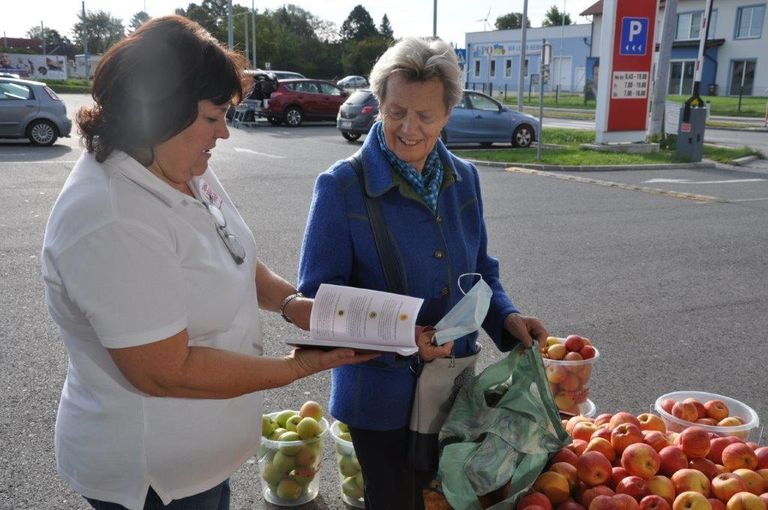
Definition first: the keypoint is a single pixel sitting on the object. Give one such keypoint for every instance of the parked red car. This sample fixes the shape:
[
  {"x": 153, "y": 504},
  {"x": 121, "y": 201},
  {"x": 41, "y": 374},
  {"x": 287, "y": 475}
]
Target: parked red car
[{"x": 297, "y": 100}]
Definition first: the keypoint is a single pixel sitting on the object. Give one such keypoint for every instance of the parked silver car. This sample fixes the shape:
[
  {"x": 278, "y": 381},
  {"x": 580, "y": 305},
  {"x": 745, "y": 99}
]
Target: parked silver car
[
  {"x": 30, "y": 109},
  {"x": 352, "y": 82}
]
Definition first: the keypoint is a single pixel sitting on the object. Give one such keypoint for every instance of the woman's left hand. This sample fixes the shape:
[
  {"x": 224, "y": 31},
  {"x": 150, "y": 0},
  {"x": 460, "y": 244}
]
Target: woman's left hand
[
  {"x": 526, "y": 329},
  {"x": 428, "y": 350}
]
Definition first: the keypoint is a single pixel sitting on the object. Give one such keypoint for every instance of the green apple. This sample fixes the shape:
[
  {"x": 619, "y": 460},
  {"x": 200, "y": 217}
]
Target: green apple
[
  {"x": 343, "y": 427},
  {"x": 284, "y": 463},
  {"x": 346, "y": 436},
  {"x": 303, "y": 475},
  {"x": 272, "y": 474},
  {"x": 290, "y": 449},
  {"x": 359, "y": 479},
  {"x": 282, "y": 417},
  {"x": 275, "y": 435},
  {"x": 289, "y": 489},
  {"x": 349, "y": 466},
  {"x": 311, "y": 409},
  {"x": 350, "y": 488},
  {"x": 293, "y": 422},
  {"x": 267, "y": 426},
  {"x": 308, "y": 428}
]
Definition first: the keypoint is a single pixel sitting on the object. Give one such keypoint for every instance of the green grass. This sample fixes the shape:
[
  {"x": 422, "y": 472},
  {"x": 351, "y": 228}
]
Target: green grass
[
  {"x": 69, "y": 86},
  {"x": 571, "y": 154},
  {"x": 564, "y": 100},
  {"x": 751, "y": 106}
]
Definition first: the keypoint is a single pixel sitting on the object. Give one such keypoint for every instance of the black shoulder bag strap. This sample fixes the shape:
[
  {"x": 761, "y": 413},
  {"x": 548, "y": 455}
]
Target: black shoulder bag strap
[{"x": 384, "y": 244}]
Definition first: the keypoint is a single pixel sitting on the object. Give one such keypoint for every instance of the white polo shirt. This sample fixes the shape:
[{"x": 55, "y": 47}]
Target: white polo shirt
[{"x": 129, "y": 260}]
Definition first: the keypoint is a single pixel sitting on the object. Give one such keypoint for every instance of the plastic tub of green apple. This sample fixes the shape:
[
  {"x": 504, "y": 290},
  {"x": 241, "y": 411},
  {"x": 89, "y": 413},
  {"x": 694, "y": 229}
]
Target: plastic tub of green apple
[
  {"x": 569, "y": 381},
  {"x": 289, "y": 468},
  {"x": 350, "y": 476}
]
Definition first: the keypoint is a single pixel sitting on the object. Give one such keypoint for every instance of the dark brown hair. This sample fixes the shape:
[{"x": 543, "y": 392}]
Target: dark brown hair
[{"x": 147, "y": 86}]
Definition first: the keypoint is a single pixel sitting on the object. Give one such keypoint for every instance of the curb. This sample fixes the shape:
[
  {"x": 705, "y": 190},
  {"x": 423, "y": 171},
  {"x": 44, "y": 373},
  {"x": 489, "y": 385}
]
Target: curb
[
  {"x": 595, "y": 168},
  {"x": 745, "y": 160},
  {"x": 747, "y": 129}
]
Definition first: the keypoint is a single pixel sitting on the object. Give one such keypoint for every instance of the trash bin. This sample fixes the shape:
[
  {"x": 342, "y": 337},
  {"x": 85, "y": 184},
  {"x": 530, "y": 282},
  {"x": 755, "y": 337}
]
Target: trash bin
[
  {"x": 690, "y": 134},
  {"x": 712, "y": 89}
]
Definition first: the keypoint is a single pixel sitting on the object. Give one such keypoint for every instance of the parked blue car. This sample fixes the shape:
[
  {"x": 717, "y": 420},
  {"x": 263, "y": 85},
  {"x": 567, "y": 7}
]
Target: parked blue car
[{"x": 478, "y": 118}]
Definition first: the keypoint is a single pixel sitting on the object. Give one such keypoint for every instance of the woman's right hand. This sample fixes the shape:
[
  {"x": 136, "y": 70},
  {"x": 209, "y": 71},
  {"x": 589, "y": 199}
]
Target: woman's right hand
[
  {"x": 429, "y": 350},
  {"x": 307, "y": 361}
]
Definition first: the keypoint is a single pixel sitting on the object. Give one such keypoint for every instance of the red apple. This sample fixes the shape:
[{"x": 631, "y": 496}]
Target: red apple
[
  {"x": 602, "y": 502},
  {"x": 656, "y": 439},
  {"x": 593, "y": 492},
  {"x": 578, "y": 446},
  {"x": 634, "y": 486},
  {"x": 618, "y": 473},
  {"x": 716, "y": 409},
  {"x": 762, "y": 457},
  {"x": 625, "y": 502},
  {"x": 556, "y": 373},
  {"x": 603, "y": 431},
  {"x": 672, "y": 459},
  {"x": 691, "y": 500},
  {"x": 588, "y": 352},
  {"x": 690, "y": 480},
  {"x": 568, "y": 471},
  {"x": 583, "y": 430},
  {"x": 641, "y": 460},
  {"x": 685, "y": 411},
  {"x": 695, "y": 442},
  {"x": 603, "y": 418},
  {"x": 717, "y": 445},
  {"x": 752, "y": 479},
  {"x": 739, "y": 455},
  {"x": 653, "y": 502},
  {"x": 574, "y": 343},
  {"x": 534, "y": 498},
  {"x": 570, "y": 505},
  {"x": 601, "y": 445},
  {"x": 667, "y": 405},
  {"x": 706, "y": 466},
  {"x": 593, "y": 468},
  {"x": 565, "y": 454},
  {"x": 553, "y": 485},
  {"x": 701, "y": 412},
  {"x": 623, "y": 417},
  {"x": 726, "y": 485},
  {"x": 625, "y": 434},
  {"x": 650, "y": 421},
  {"x": 716, "y": 504}
]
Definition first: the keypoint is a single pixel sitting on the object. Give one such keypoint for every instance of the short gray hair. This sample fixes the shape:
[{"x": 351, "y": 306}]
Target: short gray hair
[{"x": 419, "y": 60}]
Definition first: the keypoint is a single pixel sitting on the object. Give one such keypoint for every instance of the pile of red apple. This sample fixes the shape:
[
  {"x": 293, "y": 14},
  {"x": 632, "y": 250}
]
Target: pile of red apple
[
  {"x": 569, "y": 381},
  {"x": 626, "y": 462},
  {"x": 713, "y": 413}
]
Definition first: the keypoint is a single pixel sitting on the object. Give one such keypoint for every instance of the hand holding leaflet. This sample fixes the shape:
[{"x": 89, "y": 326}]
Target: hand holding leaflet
[
  {"x": 362, "y": 319},
  {"x": 467, "y": 315}
]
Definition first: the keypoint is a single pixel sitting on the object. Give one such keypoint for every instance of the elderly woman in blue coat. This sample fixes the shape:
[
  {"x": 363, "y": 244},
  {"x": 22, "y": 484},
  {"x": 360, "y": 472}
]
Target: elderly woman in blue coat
[{"x": 431, "y": 203}]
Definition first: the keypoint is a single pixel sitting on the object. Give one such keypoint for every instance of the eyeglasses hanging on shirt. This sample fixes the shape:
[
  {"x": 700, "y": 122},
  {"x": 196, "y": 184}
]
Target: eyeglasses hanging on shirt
[{"x": 231, "y": 241}]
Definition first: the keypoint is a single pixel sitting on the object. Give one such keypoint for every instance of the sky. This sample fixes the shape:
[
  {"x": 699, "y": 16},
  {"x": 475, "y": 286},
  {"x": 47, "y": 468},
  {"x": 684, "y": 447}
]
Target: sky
[{"x": 407, "y": 17}]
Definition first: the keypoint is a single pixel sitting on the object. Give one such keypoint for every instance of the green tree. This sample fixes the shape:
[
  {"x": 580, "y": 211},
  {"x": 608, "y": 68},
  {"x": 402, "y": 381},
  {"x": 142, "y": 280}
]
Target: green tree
[
  {"x": 137, "y": 20},
  {"x": 54, "y": 43},
  {"x": 359, "y": 56},
  {"x": 211, "y": 15},
  {"x": 103, "y": 31},
  {"x": 554, "y": 18},
  {"x": 385, "y": 29},
  {"x": 358, "y": 26},
  {"x": 511, "y": 21}
]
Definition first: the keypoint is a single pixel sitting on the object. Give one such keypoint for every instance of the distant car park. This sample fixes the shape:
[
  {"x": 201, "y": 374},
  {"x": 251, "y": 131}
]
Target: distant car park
[
  {"x": 30, "y": 109},
  {"x": 287, "y": 75},
  {"x": 476, "y": 119},
  {"x": 353, "y": 82}
]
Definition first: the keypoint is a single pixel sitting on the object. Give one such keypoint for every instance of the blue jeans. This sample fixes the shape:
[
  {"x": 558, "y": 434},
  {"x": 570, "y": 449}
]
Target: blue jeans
[{"x": 216, "y": 498}]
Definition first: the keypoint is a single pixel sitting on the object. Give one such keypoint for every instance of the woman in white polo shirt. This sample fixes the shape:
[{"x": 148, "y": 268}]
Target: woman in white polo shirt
[{"x": 153, "y": 279}]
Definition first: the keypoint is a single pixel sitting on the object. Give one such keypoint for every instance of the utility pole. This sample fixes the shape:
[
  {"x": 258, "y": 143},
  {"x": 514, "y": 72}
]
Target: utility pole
[
  {"x": 546, "y": 58},
  {"x": 85, "y": 45},
  {"x": 42, "y": 36},
  {"x": 253, "y": 33},
  {"x": 434, "y": 18},
  {"x": 230, "y": 28},
  {"x": 562, "y": 41},
  {"x": 521, "y": 74},
  {"x": 668, "y": 27}
]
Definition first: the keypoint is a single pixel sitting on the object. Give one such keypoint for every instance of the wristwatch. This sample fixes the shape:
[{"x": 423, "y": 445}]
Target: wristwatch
[{"x": 284, "y": 303}]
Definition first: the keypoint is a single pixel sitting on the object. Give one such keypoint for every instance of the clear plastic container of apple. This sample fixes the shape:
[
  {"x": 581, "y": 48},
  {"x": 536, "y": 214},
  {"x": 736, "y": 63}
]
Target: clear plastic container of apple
[
  {"x": 568, "y": 363},
  {"x": 350, "y": 474},
  {"x": 290, "y": 454}
]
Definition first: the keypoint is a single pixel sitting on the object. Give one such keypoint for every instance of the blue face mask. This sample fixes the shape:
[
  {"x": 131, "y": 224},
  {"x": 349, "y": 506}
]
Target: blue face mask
[{"x": 467, "y": 315}]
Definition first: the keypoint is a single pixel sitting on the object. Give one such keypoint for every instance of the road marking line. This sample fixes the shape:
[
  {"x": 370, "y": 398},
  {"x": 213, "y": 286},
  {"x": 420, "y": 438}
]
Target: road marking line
[
  {"x": 39, "y": 162},
  {"x": 612, "y": 184},
  {"x": 249, "y": 151},
  {"x": 688, "y": 181},
  {"x": 748, "y": 199}
]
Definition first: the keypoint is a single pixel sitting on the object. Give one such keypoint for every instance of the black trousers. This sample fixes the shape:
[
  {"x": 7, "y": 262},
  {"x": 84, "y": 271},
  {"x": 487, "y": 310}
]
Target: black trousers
[{"x": 390, "y": 482}]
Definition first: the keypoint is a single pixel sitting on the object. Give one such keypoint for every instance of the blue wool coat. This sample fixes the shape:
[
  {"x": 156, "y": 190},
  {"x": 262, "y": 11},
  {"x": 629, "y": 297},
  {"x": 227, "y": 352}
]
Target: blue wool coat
[{"x": 433, "y": 248}]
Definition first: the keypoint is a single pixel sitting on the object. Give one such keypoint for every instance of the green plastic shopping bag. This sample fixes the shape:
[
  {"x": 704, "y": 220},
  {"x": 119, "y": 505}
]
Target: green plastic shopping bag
[{"x": 502, "y": 428}]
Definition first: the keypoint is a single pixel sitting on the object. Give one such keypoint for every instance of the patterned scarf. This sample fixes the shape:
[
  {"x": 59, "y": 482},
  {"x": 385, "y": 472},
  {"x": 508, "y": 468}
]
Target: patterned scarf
[{"x": 427, "y": 183}]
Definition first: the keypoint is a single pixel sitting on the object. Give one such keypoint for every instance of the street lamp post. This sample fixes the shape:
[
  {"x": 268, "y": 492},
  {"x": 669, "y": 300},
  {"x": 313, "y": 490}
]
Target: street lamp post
[{"x": 253, "y": 33}]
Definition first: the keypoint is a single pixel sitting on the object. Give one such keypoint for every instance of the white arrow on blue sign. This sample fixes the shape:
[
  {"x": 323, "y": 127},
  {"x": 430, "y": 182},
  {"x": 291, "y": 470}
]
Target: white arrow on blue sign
[{"x": 634, "y": 36}]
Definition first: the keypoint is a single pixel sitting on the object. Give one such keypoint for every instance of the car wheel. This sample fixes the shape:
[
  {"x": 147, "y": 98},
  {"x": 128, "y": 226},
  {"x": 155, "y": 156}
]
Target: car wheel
[
  {"x": 275, "y": 121},
  {"x": 42, "y": 132},
  {"x": 293, "y": 116},
  {"x": 523, "y": 136},
  {"x": 350, "y": 137}
]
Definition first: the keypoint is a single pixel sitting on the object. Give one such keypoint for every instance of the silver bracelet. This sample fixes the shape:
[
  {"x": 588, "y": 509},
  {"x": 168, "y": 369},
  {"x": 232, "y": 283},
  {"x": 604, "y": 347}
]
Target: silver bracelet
[{"x": 284, "y": 303}]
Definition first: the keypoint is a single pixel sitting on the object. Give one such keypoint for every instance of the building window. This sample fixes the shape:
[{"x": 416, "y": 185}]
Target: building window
[
  {"x": 508, "y": 68},
  {"x": 681, "y": 77},
  {"x": 749, "y": 22},
  {"x": 742, "y": 77},
  {"x": 689, "y": 25},
  {"x": 493, "y": 69},
  {"x": 477, "y": 69}
]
